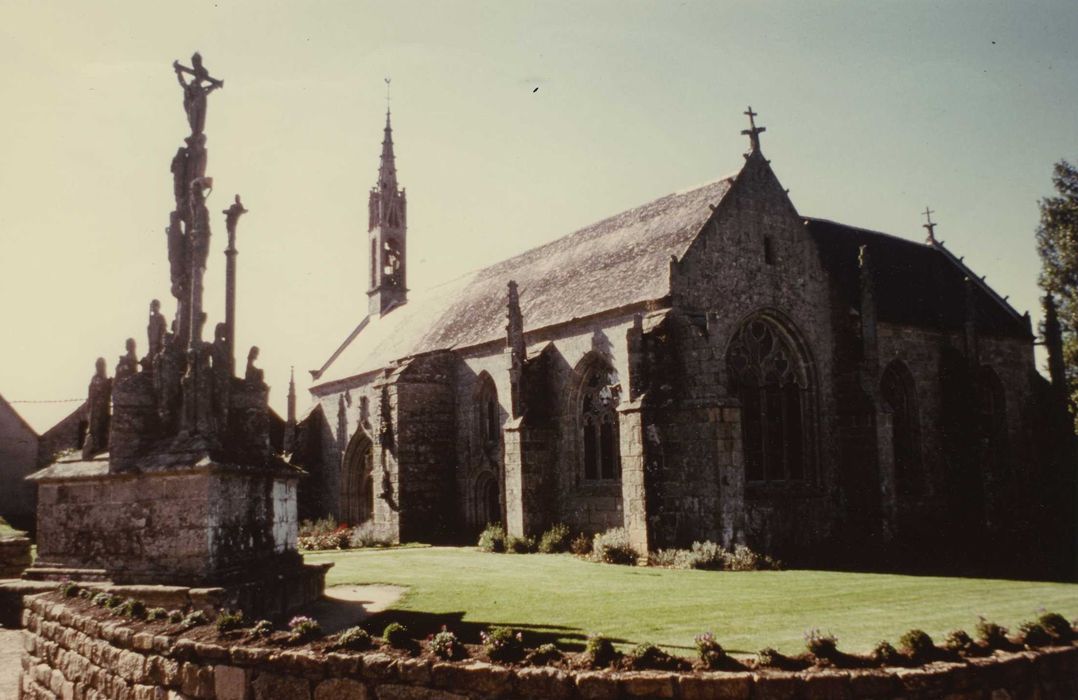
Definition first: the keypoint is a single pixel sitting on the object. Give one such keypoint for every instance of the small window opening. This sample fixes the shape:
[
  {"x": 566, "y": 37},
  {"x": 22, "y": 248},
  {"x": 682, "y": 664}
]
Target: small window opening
[{"x": 769, "y": 251}]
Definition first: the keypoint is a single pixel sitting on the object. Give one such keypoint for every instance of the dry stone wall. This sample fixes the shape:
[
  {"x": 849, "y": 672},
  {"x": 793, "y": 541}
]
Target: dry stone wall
[{"x": 72, "y": 656}]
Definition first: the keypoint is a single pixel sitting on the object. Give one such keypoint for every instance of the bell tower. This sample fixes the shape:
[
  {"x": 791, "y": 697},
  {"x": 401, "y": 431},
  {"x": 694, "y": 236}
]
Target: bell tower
[{"x": 387, "y": 231}]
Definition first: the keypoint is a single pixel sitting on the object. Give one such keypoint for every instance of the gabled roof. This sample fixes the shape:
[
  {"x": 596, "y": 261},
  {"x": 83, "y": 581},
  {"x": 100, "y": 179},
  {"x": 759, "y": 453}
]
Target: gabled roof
[
  {"x": 618, "y": 261},
  {"x": 914, "y": 283},
  {"x": 43, "y": 416}
]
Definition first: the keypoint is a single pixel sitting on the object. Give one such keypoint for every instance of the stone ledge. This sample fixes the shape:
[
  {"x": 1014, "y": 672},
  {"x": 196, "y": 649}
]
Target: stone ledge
[{"x": 68, "y": 654}]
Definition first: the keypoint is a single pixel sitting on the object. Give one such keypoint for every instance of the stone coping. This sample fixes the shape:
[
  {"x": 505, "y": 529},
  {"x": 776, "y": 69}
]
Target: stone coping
[
  {"x": 98, "y": 468},
  {"x": 65, "y": 647}
]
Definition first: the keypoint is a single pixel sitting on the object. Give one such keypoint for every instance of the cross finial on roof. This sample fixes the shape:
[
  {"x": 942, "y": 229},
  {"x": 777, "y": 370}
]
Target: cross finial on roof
[
  {"x": 753, "y": 132},
  {"x": 388, "y": 81},
  {"x": 931, "y": 226}
]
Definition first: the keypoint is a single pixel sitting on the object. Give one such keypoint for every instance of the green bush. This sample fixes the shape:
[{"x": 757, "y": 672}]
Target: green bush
[
  {"x": 503, "y": 644},
  {"x": 520, "y": 545},
  {"x": 885, "y": 654},
  {"x": 581, "y": 545},
  {"x": 1033, "y": 634},
  {"x": 918, "y": 645},
  {"x": 302, "y": 628},
  {"x": 711, "y": 653},
  {"x": 396, "y": 635},
  {"x": 613, "y": 547},
  {"x": 666, "y": 558},
  {"x": 744, "y": 559},
  {"x": 769, "y": 658},
  {"x": 556, "y": 539},
  {"x": 227, "y": 621},
  {"x": 705, "y": 555},
  {"x": 132, "y": 608},
  {"x": 649, "y": 656},
  {"x": 446, "y": 645},
  {"x": 68, "y": 589},
  {"x": 992, "y": 635},
  {"x": 544, "y": 655},
  {"x": 821, "y": 645},
  {"x": 599, "y": 651},
  {"x": 959, "y": 642},
  {"x": 175, "y": 616},
  {"x": 155, "y": 614},
  {"x": 194, "y": 619},
  {"x": 1057, "y": 626},
  {"x": 353, "y": 639},
  {"x": 105, "y": 600},
  {"x": 367, "y": 535},
  {"x": 262, "y": 628},
  {"x": 492, "y": 539}
]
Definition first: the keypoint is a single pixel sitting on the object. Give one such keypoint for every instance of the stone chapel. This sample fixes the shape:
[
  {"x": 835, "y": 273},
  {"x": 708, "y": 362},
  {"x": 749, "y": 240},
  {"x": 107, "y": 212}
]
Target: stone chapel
[{"x": 708, "y": 365}]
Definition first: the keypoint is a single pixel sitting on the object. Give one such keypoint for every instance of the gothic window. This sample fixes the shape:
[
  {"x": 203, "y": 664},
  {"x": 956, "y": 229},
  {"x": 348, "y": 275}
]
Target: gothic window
[
  {"x": 765, "y": 373},
  {"x": 599, "y": 423},
  {"x": 488, "y": 416},
  {"x": 391, "y": 268},
  {"x": 897, "y": 392}
]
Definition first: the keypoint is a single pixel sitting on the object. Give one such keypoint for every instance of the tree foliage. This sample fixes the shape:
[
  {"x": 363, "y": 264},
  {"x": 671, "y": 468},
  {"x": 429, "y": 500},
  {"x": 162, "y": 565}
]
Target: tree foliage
[{"x": 1057, "y": 245}]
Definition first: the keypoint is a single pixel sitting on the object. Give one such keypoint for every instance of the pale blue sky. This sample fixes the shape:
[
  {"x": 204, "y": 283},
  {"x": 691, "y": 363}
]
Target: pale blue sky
[{"x": 873, "y": 110}]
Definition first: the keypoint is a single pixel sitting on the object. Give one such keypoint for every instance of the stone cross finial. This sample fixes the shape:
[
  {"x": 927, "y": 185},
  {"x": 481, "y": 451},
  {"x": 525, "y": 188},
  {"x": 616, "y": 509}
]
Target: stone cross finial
[
  {"x": 195, "y": 90},
  {"x": 930, "y": 226},
  {"x": 753, "y": 132},
  {"x": 388, "y": 81}
]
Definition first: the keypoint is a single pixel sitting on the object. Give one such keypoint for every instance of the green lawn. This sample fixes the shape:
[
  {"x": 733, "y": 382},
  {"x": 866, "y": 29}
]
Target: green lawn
[{"x": 559, "y": 597}]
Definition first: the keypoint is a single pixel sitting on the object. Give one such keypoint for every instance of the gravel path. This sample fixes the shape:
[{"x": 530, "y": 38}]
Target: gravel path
[{"x": 10, "y": 666}]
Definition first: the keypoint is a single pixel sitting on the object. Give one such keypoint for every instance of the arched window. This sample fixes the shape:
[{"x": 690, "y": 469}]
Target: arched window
[
  {"x": 900, "y": 398},
  {"x": 767, "y": 374},
  {"x": 599, "y": 398},
  {"x": 488, "y": 421},
  {"x": 991, "y": 405}
]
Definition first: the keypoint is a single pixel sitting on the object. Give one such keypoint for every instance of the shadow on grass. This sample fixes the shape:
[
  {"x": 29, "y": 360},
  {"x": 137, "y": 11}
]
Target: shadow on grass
[{"x": 422, "y": 624}]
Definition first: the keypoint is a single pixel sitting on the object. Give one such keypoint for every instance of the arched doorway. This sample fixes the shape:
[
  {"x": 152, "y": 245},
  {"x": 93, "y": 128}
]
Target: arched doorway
[
  {"x": 357, "y": 480},
  {"x": 488, "y": 500}
]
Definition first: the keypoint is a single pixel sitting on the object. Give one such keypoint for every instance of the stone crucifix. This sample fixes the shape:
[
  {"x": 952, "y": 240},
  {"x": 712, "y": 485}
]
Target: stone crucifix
[
  {"x": 753, "y": 132},
  {"x": 195, "y": 90}
]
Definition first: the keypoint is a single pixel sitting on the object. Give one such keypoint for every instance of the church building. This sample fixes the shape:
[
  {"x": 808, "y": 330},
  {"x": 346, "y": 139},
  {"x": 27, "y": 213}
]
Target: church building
[{"x": 710, "y": 365}]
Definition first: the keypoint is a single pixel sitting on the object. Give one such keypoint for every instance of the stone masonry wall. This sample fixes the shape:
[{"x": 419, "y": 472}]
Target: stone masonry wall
[{"x": 71, "y": 656}]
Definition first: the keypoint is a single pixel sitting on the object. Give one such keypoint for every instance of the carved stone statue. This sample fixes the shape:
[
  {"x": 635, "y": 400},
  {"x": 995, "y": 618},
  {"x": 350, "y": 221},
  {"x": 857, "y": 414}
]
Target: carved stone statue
[
  {"x": 232, "y": 215},
  {"x": 179, "y": 175},
  {"x": 195, "y": 91},
  {"x": 253, "y": 375},
  {"x": 128, "y": 364},
  {"x": 98, "y": 399},
  {"x": 155, "y": 330}
]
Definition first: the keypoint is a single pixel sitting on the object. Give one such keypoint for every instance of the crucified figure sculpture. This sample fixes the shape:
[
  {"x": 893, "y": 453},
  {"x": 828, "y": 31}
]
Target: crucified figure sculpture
[{"x": 195, "y": 91}]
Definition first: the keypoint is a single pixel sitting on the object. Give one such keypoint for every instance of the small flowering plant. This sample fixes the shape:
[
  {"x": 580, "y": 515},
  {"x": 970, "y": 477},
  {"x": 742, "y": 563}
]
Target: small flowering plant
[
  {"x": 503, "y": 644},
  {"x": 303, "y": 628},
  {"x": 710, "y": 651},
  {"x": 822, "y": 645},
  {"x": 445, "y": 644}
]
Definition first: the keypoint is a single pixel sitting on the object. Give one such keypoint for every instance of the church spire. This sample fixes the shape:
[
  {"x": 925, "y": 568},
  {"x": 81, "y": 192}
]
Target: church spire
[{"x": 387, "y": 168}]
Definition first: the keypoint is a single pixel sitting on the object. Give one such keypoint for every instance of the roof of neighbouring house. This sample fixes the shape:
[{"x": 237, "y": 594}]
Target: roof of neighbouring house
[
  {"x": 914, "y": 283},
  {"x": 619, "y": 261},
  {"x": 43, "y": 415}
]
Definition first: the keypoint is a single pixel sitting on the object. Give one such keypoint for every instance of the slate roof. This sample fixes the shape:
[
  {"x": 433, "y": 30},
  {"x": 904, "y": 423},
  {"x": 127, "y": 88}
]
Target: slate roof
[
  {"x": 621, "y": 260},
  {"x": 915, "y": 284},
  {"x": 42, "y": 416}
]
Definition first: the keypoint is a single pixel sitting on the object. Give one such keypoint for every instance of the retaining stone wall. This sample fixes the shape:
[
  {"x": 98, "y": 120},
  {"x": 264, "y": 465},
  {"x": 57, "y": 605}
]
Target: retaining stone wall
[
  {"x": 72, "y": 656},
  {"x": 14, "y": 556}
]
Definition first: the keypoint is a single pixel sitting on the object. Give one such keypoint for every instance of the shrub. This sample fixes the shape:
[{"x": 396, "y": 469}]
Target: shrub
[
  {"x": 959, "y": 642},
  {"x": 1033, "y": 634},
  {"x": 175, "y": 616},
  {"x": 704, "y": 555},
  {"x": 367, "y": 535},
  {"x": 1057, "y": 626},
  {"x": 744, "y": 559},
  {"x": 648, "y": 655},
  {"x": 599, "y": 651},
  {"x": 302, "y": 628},
  {"x": 353, "y": 639},
  {"x": 86, "y": 593},
  {"x": 132, "y": 608},
  {"x": 666, "y": 558},
  {"x": 555, "y": 540},
  {"x": 520, "y": 545},
  {"x": 769, "y": 658},
  {"x": 710, "y": 651},
  {"x": 613, "y": 547},
  {"x": 492, "y": 539},
  {"x": 323, "y": 534},
  {"x": 992, "y": 635},
  {"x": 104, "y": 600},
  {"x": 821, "y": 645},
  {"x": 581, "y": 545},
  {"x": 503, "y": 644},
  {"x": 155, "y": 614},
  {"x": 228, "y": 620},
  {"x": 918, "y": 645},
  {"x": 262, "y": 628},
  {"x": 446, "y": 645},
  {"x": 396, "y": 635},
  {"x": 545, "y": 654},
  {"x": 194, "y": 619},
  {"x": 68, "y": 589},
  {"x": 885, "y": 654}
]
